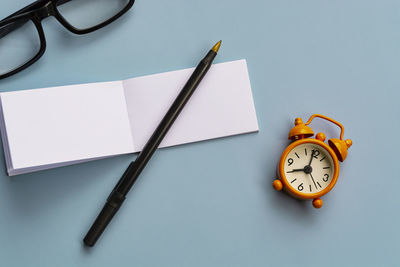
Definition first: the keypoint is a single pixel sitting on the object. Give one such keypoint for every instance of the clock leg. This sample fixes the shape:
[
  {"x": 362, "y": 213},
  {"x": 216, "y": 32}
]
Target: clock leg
[
  {"x": 317, "y": 203},
  {"x": 277, "y": 184}
]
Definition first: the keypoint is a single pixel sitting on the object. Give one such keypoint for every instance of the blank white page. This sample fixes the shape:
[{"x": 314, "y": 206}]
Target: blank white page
[
  {"x": 65, "y": 124},
  {"x": 222, "y": 105}
]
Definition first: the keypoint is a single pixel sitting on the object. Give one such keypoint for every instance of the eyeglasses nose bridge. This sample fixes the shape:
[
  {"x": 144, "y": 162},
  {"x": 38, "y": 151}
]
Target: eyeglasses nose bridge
[{"x": 44, "y": 12}]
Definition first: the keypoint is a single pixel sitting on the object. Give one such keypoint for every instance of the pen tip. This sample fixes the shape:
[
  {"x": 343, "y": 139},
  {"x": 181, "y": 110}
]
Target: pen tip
[{"x": 216, "y": 47}]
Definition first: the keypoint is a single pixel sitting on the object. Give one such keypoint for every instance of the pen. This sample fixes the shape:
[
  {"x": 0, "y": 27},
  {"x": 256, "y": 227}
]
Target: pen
[{"x": 121, "y": 189}]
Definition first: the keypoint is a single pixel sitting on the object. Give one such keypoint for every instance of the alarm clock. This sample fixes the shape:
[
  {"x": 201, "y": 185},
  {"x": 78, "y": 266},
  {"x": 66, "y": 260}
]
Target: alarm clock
[{"x": 309, "y": 167}]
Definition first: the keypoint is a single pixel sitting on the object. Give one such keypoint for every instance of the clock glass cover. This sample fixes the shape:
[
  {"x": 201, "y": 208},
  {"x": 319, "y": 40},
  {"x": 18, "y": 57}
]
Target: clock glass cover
[{"x": 309, "y": 168}]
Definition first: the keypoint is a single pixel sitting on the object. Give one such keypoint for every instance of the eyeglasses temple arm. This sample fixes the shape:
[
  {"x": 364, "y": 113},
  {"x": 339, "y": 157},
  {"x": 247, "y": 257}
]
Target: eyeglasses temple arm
[{"x": 28, "y": 8}]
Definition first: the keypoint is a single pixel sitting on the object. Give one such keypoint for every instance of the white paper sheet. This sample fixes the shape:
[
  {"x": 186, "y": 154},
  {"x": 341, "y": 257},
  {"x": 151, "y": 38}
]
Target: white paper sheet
[
  {"x": 58, "y": 126},
  {"x": 63, "y": 124},
  {"x": 222, "y": 105}
]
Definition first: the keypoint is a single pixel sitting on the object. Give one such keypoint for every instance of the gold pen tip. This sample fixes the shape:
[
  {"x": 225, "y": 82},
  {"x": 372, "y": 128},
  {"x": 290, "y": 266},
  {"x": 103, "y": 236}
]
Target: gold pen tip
[{"x": 216, "y": 47}]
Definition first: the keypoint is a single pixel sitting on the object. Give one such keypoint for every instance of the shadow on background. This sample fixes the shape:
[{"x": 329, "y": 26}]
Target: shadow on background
[{"x": 36, "y": 194}]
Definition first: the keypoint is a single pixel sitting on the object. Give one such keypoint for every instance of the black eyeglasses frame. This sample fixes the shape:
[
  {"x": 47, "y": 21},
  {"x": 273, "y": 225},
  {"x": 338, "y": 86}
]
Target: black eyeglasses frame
[{"x": 39, "y": 10}]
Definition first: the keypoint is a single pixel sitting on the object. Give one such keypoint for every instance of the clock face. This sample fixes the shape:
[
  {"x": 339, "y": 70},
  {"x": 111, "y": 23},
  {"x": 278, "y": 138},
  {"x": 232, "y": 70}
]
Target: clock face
[{"x": 309, "y": 168}]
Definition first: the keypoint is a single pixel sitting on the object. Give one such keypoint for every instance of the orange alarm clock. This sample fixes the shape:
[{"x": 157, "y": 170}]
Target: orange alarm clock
[{"x": 309, "y": 168}]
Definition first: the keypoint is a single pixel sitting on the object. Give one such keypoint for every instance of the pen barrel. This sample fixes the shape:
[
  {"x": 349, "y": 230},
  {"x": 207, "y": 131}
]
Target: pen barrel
[
  {"x": 173, "y": 112},
  {"x": 111, "y": 207},
  {"x": 117, "y": 196}
]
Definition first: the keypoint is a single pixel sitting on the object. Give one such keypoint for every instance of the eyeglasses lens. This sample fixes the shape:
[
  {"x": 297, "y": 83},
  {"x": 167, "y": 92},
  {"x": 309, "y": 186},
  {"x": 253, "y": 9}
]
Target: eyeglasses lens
[{"x": 19, "y": 43}]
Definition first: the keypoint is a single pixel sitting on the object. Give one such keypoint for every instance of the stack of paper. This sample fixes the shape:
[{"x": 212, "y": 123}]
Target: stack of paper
[{"x": 52, "y": 127}]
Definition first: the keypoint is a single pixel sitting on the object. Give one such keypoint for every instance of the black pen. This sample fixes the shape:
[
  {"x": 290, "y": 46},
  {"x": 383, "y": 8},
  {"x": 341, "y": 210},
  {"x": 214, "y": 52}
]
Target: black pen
[{"x": 117, "y": 196}]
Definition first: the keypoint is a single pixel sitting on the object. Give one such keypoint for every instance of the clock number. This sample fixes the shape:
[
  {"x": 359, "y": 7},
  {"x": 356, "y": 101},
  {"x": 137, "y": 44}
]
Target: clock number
[
  {"x": 300, "y": 187},
  {"x": 316, "y": 154},
  {"x": 326, "y": 177},
  {"x": 290, "y": 161}
]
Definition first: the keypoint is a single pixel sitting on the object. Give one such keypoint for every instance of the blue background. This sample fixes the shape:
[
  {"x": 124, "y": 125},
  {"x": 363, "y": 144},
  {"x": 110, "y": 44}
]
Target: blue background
[{"x": 211, "y": 203}]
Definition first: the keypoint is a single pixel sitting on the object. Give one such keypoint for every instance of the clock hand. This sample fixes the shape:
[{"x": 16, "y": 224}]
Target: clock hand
[
  {"x": 312, "y": 156},
  {"x": 295, "y": 170},
  {"x": 313, "y": 181}
]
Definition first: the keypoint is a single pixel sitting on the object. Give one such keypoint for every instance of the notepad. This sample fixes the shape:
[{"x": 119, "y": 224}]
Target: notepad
[{"x": 58, "y": 126}]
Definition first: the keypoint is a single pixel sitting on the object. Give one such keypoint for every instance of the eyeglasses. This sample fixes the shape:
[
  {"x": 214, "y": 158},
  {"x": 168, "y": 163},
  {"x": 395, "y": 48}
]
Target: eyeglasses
[{"x": 22, "y": 39}]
